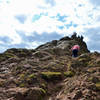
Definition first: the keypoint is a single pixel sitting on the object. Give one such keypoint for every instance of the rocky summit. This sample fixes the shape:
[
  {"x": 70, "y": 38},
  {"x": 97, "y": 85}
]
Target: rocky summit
[{"x": 49, "y": 72}]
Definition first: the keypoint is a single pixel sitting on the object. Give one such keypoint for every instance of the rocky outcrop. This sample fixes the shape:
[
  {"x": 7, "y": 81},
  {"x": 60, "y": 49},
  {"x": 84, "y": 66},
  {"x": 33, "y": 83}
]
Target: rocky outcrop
[
  {"x": 65, "y": 44},
  {"x": 50, "y": 73}
]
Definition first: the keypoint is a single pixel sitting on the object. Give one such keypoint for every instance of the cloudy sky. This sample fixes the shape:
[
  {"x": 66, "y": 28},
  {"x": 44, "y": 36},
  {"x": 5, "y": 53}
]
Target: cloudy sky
[{"x": 29, "y": 23}]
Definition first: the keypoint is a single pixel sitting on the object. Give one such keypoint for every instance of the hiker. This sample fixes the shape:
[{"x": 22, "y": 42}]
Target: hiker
[{"x": 75, "y": 50}]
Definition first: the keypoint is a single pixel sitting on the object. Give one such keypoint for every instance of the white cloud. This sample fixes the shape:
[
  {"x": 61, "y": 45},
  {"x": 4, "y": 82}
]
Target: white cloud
[
  {"x": 81, "y": 12},
  {"x": 45, "y": 23},
  {"x": 25, "y": 6},
  {"x": 33, "y": 44},
  {"x": 1, "y": 42},
  {"x": 8, "y": 31}
]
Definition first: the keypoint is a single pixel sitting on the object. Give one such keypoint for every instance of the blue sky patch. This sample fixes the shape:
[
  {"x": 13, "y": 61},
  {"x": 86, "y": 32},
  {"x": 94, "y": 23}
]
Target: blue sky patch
[
  {"x": 36, "y": 17},
  {"x": 61, "y": 18},
  {"x": 80, "y": 5},
  {"x": 21, "y": 18},
  {"x": 75, "y": 25},
  {"x": 61, "y": 27},
  {"x": 71, "y": 24}
]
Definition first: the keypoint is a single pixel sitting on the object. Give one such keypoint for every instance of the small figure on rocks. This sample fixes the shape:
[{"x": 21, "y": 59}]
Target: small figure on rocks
[{"x": 75, "y": 50}]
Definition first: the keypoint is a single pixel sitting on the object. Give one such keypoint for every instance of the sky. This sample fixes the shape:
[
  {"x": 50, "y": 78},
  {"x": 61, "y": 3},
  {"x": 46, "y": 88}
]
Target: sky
[{"x": 30, "y": 23}]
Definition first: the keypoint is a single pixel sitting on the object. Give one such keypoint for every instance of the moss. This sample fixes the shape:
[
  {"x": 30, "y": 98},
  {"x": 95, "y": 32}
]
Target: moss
[
  {"x": 82, "y": 59},
  {"x": 43, "y": 85},
  {"x": 22, "y": 76},
  {"x": 21, "y": 80},
  {"x": 69, "y": 74},
  {"x": 31, "y": 76},
  {"x": 90, "y": 78},
  {"x": 62, "y": 63},
  {"x": 51, "y": 75},
  {"x": 26, "y": 78},
  {"x": 22, "y": 85},
  {"x": 5, "y": 56},
  {"x": 98, "y": 85},
  {"x": 8, "y": 55},
  {"x": 41, "y": 94},
  {"x": 69, "y": 66},
  {"x": 42, "y": 91}
]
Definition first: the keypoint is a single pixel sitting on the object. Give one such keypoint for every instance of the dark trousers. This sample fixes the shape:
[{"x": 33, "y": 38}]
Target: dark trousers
[{"x": 74, "y": 53}]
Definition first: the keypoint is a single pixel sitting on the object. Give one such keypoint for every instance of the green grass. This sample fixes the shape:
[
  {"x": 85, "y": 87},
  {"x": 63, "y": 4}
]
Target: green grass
[
  {"x": 51, "y": 75},
  {"x": 69, "y": 74}
]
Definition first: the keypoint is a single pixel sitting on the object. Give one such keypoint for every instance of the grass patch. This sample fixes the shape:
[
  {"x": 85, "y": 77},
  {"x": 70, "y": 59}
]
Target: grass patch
[
  {"x": 69, "y": 74},
  {"x": 51, "y": 75},
  {"x": 98, "y": 85},
  {"x": 31, "y": 76}
]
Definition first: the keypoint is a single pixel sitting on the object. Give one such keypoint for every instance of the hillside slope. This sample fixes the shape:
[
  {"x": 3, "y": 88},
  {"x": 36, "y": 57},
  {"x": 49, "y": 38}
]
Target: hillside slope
[{"x": 50, "y": 73}]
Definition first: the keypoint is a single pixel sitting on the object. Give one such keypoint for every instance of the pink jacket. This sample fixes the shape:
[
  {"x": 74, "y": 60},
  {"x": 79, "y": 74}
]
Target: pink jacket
[{"x": 75, "y": 47}]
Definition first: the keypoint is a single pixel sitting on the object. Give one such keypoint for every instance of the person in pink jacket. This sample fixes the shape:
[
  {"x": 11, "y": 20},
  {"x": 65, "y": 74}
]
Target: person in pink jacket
[{"x": 75, "y": 50}]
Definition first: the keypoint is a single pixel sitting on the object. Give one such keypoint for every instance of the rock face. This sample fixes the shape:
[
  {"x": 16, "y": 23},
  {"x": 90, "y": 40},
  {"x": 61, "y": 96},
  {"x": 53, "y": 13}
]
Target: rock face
[
  {"x": 65, "y": 44},
  {"x": 50, "y": 73}
]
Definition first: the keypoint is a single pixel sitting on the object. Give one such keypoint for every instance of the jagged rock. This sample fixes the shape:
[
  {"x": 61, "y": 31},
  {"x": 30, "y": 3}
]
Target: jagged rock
[
  {"x": 66, "y": 43},
  {"x": 65, "y": 38},
  {"x": 77, "y": 95},
  {"x": 50, "y": 73}
]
